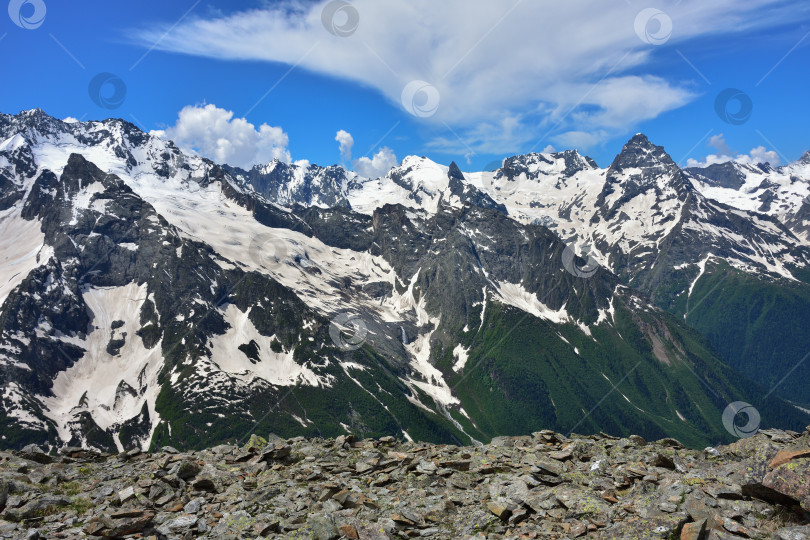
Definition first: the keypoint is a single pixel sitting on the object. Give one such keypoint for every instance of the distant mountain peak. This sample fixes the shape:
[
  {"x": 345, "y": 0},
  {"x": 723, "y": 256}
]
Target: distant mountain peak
[
  {"x": 454, "y": 173},
  {"x": 641, "y": 141},
  {"x": 728, "y": 175},
  {"x": 639, "y": 152},
  {"x": 805, "y": 158},
  {"x": 416, "y": 161},
  {"x": 37, "y": 112}
]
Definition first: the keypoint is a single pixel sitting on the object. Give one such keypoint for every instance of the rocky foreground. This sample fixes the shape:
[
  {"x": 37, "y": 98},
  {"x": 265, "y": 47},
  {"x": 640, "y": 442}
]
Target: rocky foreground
[{"x": 543, "y": 486}]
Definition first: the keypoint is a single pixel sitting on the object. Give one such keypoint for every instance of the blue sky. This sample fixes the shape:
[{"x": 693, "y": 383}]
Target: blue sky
[{"x": 508, "y": 77}]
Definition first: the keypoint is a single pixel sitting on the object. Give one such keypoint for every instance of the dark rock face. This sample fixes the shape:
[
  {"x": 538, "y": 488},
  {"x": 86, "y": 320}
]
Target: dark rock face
[
  {"x": 727, "y": 175},
  {"x": 468, "y": 194},
  {"x": 791, "y": 479},
  {"x": 545, "y": 485}
]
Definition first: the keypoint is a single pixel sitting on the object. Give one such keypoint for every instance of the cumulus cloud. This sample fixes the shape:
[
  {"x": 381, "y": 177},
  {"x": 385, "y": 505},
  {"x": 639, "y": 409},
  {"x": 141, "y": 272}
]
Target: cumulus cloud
[
  {"x": 724, "y": 154},
  {"x": 757, "y": 155},
  {"x": 718, "y": 142},
  {"x": 760, "y": 154},
  {"x": 346, "y": 142},
  {"x": 215, "y": 133},
  {"x": 580, "y": 65},
  {"x": 373, "y": 167},
  {"x": 377, "y": 165}
]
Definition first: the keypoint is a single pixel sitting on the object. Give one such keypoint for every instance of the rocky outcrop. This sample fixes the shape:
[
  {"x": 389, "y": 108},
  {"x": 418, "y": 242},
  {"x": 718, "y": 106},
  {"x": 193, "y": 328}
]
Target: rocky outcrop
[{"x": 540, "y": 486}]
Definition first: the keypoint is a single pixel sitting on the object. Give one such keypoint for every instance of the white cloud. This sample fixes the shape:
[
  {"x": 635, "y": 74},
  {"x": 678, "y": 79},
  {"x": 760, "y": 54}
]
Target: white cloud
[
  {"x": 718, "y": 142},
  {"x": 757, "y": 155},
  {"x": 346, "y": 142},
  {"x": 762, "y": 155},
  {"x": 70, "y": 120},
  {"x": 551, "y": 66},
  {"x": 580, "y": 139},
  {"x": 496, "y": 137},
  {"x": 214, "y": 133},
  {"x": 378, "y": 165},
  {"x": 374, "y": 167}
]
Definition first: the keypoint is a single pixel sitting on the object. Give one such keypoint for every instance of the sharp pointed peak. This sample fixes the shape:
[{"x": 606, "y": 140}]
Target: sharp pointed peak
[
  {"x": 639, "y": 152},
  {"x": 640, "y": 144},
  {"x": 639, "y": 140},
  {"x": 454, "y": 172}
]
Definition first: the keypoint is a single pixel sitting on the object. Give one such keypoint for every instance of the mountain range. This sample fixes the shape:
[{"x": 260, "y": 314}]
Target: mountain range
[{"x": 151, "y": 297}]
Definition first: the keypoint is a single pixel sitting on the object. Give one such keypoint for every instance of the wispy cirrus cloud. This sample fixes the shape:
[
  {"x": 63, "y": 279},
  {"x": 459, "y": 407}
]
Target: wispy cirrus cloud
[{"x": 557, "y": 69}]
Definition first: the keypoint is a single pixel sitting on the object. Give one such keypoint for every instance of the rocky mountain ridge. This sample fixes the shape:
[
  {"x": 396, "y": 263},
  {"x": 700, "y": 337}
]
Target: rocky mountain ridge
[
  {"x": 695, "y": 245},
  {"x": 152, "y": 298}
]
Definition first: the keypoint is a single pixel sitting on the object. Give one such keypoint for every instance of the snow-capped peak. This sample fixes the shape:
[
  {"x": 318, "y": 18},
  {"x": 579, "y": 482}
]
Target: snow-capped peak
[{"x": 639, "y": 152}]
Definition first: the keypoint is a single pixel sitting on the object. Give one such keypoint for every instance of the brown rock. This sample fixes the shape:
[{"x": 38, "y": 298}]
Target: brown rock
[
  {"x": 93, "y": 528},
  {"x": 792, "y": 480},
  {"x": 694, "y": 531},
  {"x": 402, "y": 520},
  {"x": 610, "y": 497},
  {"x": 341, "y": 496},
  {"x": 579, "y": 529},
  {"x": 123, "y": 527},
  {"x": 735, "y": 528},
  {"x": 176, "y": 507},
  {"x": 696, "y": 509},
  {"x": 349, "y": 532},
  {"x": 788, "y": 455},
  {"x": 499, "y": 509}
]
